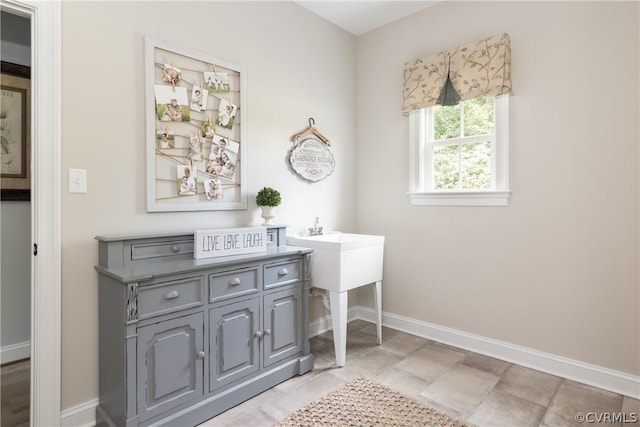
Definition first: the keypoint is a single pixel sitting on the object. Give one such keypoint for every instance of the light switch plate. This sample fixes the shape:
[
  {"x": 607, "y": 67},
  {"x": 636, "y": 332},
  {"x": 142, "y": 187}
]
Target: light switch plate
[{"x": 77, "y": 180}]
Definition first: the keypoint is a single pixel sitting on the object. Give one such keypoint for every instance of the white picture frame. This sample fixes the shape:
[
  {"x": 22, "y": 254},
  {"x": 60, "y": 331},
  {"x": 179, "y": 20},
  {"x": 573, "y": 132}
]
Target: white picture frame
[{"x": 162, "y": 191}]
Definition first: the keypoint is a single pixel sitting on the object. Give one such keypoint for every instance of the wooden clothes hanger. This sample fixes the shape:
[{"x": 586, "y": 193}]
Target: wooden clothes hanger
[{"x": 311, "y": 130}]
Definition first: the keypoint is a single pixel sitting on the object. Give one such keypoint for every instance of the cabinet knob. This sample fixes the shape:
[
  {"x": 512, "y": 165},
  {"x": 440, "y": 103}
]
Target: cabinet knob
[
  {"x": 201, "y": 354},
  {"x": 257, "y": 334},
  {"x": 234, "y": 282},
  {"x": 171, "y": 295},
  {"x": 175, "y": 248},
  {"x": 267, "y": 332},
  {"x": 283, "y": 272}
]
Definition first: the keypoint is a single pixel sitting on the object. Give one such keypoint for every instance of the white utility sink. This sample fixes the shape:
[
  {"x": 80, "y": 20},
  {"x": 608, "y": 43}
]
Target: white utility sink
[
  {"x": 343, "y": 261},
  {"x": 340, "y": 262}
]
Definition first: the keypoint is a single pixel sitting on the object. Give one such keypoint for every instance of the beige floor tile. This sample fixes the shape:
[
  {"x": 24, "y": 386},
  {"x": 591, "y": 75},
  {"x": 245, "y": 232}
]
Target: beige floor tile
[
  {"x": 528, "y": 384},
  {"x": 631, "y": 406},
  {"x": 451, "y": 347},
  {"x": 485, "y": 363},
  {"x": 371, "y": 329},
  {"x": 572, "y": 399},
  {"x": 591, "y": 388},
  {"x": 298, "y": 380},
  {"x": 374, "y": 361},
  {"x": 430, "y": 361},
  {"x": 320, "y": 343},
  {"x": 321, "y": 363},
  {"x": 242, "y": 409},
  {"x": 461, "y": 388},
  {"x": 402, "y": 381},
  {"x": 503, "y": 409},
  {"x": 348, "y": 372},
  {"x": 404, "y": 344},
  {"x": 353, "y": 326},
  {"x": 255, "y": 418},
  {"x": 357, "y": 342},
  {"x": 370, "y": 362},
  {"x": 286, "y": 403},
  {"x": 357, "y": 324},
  {"x": 630, "y": 411}
]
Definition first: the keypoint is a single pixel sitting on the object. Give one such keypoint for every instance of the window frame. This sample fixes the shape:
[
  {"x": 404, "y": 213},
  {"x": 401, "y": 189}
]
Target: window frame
[{"x": 420, "y": 171}]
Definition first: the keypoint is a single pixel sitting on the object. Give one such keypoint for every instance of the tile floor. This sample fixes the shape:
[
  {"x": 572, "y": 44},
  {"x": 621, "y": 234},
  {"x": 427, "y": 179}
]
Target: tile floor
[{"x": 483, "y": 390}]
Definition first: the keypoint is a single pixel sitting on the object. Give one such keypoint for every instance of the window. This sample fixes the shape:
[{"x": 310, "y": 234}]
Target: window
[{"x": 460, "y": 154}]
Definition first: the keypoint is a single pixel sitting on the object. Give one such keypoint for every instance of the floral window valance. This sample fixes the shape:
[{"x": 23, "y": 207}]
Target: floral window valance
[{"x": 478, "y": 69}]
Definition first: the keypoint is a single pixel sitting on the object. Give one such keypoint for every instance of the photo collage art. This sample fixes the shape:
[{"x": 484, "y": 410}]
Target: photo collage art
[{"x": 196, "y": 116}]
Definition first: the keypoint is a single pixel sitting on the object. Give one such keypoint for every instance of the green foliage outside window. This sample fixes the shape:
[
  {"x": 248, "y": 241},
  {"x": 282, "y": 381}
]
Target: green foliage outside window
[{"x": 463, "y": 165}]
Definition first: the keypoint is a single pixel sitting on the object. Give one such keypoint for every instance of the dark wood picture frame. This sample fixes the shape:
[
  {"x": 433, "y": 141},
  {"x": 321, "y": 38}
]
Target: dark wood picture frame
[{"x": 16, "y": 82}]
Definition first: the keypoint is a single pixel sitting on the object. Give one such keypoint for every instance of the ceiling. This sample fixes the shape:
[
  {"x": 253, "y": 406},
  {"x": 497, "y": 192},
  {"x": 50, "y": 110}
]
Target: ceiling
[{"x": 361, "y": 16}]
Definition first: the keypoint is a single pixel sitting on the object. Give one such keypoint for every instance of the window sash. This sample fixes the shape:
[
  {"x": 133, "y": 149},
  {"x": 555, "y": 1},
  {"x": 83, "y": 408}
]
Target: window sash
[
  {"x": 430, "y": 146},
  {"x": 431, "y": 143}
]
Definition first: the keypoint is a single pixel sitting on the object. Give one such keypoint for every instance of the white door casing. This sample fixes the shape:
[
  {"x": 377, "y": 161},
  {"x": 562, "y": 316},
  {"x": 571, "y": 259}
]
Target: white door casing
[{"x": 46, "y": 149}]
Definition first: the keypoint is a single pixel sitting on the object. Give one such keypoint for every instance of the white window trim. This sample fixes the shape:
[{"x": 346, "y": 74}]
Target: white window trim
[{"x": 498, "y": 196}]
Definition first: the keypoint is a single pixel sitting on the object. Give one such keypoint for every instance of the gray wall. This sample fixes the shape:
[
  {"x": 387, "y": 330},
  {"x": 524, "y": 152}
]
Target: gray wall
[
  {"x": 15, "y": 279},
  {"x": 16, "y": 272}
]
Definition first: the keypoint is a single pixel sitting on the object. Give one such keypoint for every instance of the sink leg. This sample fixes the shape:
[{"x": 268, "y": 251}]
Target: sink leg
[
  {"x": 339, "y": 321},
  {"x": 377, "y": 299}
]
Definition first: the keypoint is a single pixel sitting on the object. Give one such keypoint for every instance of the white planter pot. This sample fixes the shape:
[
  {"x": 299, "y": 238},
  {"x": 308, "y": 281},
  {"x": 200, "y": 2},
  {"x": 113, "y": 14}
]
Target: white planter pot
[{"x": 267, "y": 214}]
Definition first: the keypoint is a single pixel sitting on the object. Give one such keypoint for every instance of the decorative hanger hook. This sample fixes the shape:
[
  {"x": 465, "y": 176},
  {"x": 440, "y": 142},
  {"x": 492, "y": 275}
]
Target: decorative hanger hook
[{"x": 311, "y": 121}]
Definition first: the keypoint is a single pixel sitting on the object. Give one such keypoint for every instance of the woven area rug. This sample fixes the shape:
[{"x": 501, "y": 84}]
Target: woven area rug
[{"x": 363, "y": 402}]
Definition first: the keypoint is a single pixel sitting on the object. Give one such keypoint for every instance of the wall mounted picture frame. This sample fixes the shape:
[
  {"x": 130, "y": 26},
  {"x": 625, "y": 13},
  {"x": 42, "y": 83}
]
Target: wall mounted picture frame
[
  {"x": 15, "y": 133},
  {"x": 185, "y": 128}
]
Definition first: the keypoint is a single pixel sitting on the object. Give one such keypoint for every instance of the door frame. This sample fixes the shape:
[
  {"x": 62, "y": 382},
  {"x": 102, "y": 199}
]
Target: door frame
[{"x": 46, "y": 197}]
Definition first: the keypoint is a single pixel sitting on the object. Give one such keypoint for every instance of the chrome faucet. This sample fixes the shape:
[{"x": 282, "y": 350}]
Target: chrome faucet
[{"x": 316, "y": 230}]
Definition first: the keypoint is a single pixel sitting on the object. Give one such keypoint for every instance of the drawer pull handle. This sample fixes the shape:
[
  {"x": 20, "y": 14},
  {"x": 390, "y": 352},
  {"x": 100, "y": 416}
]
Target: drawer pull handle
[
  {"x": 201, "y": 354},
  {"x": 257, "y": 334},
  {"x": 175, "y": 249},
  {"x": 171, "y": 295},
  {"x": 234, "y": 282},
  {"x": 267, "y": 332},
  {"x": 283, "y": 272}
]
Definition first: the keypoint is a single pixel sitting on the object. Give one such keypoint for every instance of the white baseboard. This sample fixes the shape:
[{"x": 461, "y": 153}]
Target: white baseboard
[
  {"x": 322, "y": 325},
  {"x": 84, "y": 415},
  {"x": 13, "y": 352},
  {"x": 597, "y": 376}
]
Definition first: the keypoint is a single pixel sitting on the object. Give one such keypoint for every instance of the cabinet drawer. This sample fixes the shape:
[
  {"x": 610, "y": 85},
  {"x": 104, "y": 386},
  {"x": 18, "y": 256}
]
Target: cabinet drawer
[
  {"x": 161, "y": 249},
  {"x": 282, "y": 273},
  {"x": 234, "y": 283},
  {"x": 170, "y": 296}
]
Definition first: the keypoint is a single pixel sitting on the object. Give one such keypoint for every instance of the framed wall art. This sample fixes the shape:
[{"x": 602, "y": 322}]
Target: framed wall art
[
  {"x": 195, "y": 116},
  {"x": 15, "y": 127}
]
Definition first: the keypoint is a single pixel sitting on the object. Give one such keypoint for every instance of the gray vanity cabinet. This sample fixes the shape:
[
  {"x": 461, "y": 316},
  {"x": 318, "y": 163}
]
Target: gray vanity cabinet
[
  {"x": 282, "y": 334},
  {"x": 234, "y": 352},
  {"x": 182, "y": 340},
  {"x": 170, "y": 363}
]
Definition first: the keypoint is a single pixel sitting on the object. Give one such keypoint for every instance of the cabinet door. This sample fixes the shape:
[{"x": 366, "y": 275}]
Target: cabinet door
[
  {"x": 170, "y": 364},
  {"x": 282, "y": 325},
  {"x": 235, "y": 340}
]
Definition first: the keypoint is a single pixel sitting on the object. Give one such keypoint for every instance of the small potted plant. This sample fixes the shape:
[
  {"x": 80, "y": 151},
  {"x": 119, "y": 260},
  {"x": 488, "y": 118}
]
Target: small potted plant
[{"x": 267, "y": 199}]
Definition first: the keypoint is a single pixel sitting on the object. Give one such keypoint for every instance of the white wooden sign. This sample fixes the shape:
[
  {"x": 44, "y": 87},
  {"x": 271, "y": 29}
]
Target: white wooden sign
[{"x": 229, "y": 241}]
